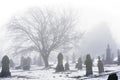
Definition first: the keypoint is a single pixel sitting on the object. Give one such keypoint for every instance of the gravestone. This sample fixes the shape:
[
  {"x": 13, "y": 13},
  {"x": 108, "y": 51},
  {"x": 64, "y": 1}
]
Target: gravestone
[
  {"x": 79, "y": 64},
  {"x": 67, "y": 66},
  {"x": 27, "y": 63},
  {"x": 5, "y": 72},
  {"x": 60, "y": 67},
  {"x": 100, "y": 65},
  {"x": 88, "y": 63},
  {"x": 108, "y": 55},
  {"x": 113, "y": 76}
]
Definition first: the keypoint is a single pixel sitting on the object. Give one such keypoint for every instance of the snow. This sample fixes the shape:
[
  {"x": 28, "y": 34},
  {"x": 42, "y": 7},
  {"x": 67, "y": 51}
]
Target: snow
[{"x": 39, "y": 73}]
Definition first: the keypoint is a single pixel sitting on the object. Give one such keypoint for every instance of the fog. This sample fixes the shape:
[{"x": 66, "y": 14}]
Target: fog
[
  {"x": 40, "y": 37},
  {"x": 92, "y": 16},
  {"x": 96, "y": 40}
]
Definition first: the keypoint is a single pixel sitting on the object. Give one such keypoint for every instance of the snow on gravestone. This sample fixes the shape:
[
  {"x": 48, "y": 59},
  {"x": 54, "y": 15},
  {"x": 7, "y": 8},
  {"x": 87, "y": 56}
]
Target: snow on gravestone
[
  {"x": 5, "y": 72},
  {"x": 60, "y": 67}
]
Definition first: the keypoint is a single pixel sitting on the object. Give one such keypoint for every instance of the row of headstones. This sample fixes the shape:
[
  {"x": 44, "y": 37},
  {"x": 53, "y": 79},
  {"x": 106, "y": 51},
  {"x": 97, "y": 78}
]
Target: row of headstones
[
  {"x": 88, "y": 63},
  {"x": 5, "y": 72}
]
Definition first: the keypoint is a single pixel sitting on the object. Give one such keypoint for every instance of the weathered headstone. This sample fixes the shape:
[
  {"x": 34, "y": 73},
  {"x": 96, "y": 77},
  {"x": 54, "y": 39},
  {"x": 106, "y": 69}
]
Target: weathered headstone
[
  {"x": 27, "y": 63},
  {"x": 100, "y": 65},
  {"x": 67, "y": 66},
  {"x": 88, "y": 63},
  {"x": 60, "y": 67},
  {"x": 5, "y": 72},
  {"x": 79, "y": 64},
  {"x": 21, "y": 63},
  {"x": 113, "y": 77},
  {"x": 108, "y": 55},
  {"x": 76, "y": 66}
]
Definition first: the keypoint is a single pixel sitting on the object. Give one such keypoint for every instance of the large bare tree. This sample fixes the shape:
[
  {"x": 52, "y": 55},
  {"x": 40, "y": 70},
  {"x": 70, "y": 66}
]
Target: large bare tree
[{"x": 44, "y": 30}]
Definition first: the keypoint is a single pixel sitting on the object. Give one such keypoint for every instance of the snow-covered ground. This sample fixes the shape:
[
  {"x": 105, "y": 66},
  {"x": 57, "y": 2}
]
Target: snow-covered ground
[{"x": 38, "y": 73}]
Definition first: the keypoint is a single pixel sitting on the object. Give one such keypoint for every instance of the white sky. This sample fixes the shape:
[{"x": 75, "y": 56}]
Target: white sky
[{"x": 92, "y": 12}]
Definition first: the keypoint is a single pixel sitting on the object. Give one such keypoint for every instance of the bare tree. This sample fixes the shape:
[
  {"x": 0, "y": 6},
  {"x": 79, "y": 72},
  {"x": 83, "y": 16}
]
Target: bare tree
[{"x": 44, "y": 30}]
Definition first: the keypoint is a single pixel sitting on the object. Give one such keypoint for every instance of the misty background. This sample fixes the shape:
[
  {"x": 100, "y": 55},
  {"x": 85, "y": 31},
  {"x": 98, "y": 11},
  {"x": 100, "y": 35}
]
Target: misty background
[{"x": 98, "y": 19}]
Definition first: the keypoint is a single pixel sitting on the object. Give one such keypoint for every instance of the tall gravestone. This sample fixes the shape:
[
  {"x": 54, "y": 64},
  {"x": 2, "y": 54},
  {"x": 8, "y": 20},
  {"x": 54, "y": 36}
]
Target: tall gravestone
[
  {"x": 60, "y": 67},
  {"x": 88, "y": 63},
  {"x": 108, "y": 55},
  {"x": 100, "y": 65},
  {"x": 5, "y": 72}
]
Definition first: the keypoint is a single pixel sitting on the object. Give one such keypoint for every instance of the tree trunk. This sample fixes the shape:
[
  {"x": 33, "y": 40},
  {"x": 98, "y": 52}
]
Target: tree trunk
[{"x": 45, "y": 59}]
